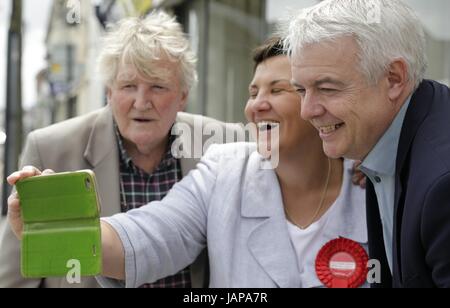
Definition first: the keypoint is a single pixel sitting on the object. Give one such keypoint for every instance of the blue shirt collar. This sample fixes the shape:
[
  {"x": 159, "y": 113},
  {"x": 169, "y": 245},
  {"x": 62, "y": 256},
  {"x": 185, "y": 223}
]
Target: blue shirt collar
[{"x": 383, "y": 156}]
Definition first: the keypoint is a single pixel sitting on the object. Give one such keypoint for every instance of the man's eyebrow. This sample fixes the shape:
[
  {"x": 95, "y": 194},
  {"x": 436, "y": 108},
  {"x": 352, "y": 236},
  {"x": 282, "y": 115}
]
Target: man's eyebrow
[
  {"x": 329, "y": 80},
  {"x": 272, "y": 83},
  {"x": 320, "y": 82},
  {"x": 156, "y": 80},
  {"x": 126, "y": 80},
  {"x": 278, "y": 81}
]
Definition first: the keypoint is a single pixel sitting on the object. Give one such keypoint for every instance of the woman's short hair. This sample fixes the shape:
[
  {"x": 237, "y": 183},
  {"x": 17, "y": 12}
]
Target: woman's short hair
[
  {"x": 272, "y": 47},
  {"x": 384, "y": 30},
  {"x": 141, "y": 43}
]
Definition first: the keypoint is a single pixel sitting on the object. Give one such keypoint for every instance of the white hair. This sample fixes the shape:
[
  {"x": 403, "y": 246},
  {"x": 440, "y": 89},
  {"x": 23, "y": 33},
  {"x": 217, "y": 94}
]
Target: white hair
[
  {"x": 384, "y": 30},
  {"x": 141, "y": 43}
]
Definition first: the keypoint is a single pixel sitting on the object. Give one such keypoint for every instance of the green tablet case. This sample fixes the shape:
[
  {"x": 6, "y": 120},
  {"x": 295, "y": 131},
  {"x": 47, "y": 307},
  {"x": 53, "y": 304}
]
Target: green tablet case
[{"x": 61, "y": 224}]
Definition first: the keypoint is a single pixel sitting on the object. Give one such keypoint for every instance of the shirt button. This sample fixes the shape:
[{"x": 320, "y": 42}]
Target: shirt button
[{"x": 377, "y": 179}]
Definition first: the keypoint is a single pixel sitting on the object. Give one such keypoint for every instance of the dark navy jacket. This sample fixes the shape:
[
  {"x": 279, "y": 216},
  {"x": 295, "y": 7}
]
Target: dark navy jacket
[{"x": 421, "y": 243}]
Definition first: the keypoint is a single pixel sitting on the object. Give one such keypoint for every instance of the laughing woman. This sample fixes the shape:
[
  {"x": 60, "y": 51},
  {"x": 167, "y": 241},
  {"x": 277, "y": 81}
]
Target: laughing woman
[{"x": 263, "y": 228}]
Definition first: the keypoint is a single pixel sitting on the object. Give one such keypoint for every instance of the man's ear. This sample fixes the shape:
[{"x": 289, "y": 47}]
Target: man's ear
[
  {"x": 184, "y": 100},
  {"x": 398, "y": 79}
]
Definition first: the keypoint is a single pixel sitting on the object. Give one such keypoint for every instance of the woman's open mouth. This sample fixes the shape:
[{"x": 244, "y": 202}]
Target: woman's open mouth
[{"x": 267, "y": 126}]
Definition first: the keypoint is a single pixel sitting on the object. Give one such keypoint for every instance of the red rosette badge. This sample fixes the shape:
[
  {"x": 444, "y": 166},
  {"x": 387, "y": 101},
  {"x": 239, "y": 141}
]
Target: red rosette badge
[{"x": 342, "y": 263}]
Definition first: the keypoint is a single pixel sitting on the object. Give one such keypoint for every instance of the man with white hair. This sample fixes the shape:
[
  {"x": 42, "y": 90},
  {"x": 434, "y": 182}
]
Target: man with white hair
[
  {"x": 359, "y": 66},
  {"x": 149, "y": 69}
]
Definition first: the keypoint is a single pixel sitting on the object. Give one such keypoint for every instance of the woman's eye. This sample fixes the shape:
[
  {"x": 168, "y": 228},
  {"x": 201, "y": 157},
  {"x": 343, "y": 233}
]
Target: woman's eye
[{"x": 276, "y": 91}]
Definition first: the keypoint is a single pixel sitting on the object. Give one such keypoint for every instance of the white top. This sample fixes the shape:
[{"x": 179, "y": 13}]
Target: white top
[{"x": 307, "y": 243}]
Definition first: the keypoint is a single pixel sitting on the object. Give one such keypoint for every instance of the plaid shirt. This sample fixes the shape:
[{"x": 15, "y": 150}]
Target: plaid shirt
[{"x": 138, "y": 188}]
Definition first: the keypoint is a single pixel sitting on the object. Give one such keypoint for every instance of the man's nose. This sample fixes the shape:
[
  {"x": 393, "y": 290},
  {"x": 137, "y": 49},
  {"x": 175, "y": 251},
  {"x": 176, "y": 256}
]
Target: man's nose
[
  {"x": 311, "y": 108},
  {"x": 143, "y": 100}
]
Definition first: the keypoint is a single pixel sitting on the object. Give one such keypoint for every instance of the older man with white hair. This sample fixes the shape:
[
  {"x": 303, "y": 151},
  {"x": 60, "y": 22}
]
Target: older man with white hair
[
  {"x": 149, "y": 69},
  {"x": 359, "y": 66}
]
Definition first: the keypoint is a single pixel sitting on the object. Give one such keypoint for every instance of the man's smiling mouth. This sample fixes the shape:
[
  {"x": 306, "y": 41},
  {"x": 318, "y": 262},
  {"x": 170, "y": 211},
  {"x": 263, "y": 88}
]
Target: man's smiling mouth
[{"x": 330, "y": 128}]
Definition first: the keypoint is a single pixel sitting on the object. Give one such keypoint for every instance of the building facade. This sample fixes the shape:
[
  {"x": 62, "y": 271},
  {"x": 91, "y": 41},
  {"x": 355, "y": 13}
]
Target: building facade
[
  {"x": 223, "y": 34},
  {"x": 69, "y": 86}
]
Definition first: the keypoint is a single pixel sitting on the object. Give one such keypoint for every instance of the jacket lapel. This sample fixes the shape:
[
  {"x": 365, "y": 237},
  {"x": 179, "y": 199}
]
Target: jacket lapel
[
  {"x": 418, "y": 110},
  {"x": 101, "y": 152},
  {"x": 269, "y": 241}
]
